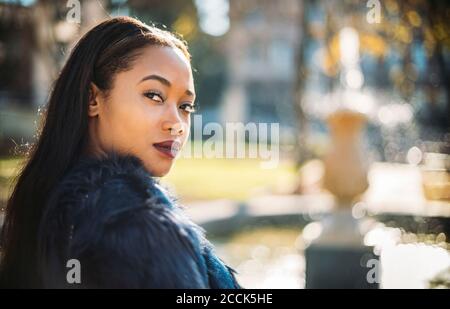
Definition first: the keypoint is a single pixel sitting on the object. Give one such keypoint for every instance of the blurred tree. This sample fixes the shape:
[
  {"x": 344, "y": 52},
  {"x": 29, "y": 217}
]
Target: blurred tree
[
  {"x": 181, "y": 17},
  {"x": 410, "y": 48},
  {"x": 302, "y": 154},
  {"x": 15, "y": 59}
]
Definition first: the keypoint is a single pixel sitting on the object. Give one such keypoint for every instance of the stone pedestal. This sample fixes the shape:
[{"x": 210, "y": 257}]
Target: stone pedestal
[
  {"x": 335, "y": 267},
  {"x": 338, "y": 258}
]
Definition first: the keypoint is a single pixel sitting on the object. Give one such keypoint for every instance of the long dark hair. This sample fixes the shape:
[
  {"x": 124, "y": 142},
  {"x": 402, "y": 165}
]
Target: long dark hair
[{"x": 107, "y": 49}]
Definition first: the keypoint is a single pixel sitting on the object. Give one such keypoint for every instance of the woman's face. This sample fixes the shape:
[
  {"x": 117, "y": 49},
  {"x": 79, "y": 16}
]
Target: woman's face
[{"x": 147, "y": 111}]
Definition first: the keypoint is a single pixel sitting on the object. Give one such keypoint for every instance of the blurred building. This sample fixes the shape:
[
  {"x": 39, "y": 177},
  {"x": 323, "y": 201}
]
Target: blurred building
[
  {"x": 16, "y": 41},
  {"x": 35, "y": 39},
  {"x": 260, "y": 47}
]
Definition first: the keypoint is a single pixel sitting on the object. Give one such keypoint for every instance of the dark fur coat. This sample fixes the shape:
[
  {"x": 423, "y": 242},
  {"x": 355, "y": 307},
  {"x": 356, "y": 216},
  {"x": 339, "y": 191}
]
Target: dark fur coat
[{"x": 125, "y": 231}]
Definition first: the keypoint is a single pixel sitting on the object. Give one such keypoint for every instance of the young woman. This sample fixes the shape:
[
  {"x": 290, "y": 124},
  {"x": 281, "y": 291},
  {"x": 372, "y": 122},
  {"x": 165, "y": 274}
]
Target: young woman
[{"x": 118, "y": 115}]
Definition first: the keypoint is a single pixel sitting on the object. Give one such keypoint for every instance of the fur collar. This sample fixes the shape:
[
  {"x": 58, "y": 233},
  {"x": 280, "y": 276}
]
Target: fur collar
[{"x": 112, "y": 211}]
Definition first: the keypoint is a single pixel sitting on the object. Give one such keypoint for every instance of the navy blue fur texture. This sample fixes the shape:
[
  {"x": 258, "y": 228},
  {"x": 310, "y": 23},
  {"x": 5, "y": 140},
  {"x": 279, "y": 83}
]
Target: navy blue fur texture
[{"x": 126, "y": 230}]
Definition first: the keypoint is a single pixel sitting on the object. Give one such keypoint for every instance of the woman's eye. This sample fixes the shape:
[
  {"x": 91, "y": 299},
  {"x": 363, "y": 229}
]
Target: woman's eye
[
  {"x": 155, "y": 97},
  {"x": 190, "y": 108}
]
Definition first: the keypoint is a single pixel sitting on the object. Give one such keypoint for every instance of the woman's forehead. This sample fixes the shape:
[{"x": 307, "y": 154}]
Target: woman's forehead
[{"x": 166, "y": 61}]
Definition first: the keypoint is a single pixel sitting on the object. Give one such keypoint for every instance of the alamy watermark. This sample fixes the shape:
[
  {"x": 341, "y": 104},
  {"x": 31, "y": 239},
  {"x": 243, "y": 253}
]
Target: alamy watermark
[
  {"x": 74, "y": 13},
  {"x": 373, "y": 275},
  {"x": 234, "y": 140},
  {"x": 374, "y": 14},
  {"x": 73, "y": 275}
]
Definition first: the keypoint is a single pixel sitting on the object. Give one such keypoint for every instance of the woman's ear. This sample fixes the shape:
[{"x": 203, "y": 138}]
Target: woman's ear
[{"x": 94, "y": 101}]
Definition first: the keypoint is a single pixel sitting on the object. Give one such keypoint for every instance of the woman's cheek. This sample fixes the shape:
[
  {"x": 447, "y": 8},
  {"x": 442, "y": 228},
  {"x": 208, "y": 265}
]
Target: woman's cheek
[{"x": 186, "y": 135}]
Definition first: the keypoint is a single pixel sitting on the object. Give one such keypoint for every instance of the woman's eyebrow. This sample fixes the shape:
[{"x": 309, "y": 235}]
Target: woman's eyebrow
[
  {"x": 165, "y": 82},
  {"x": 159, "y": 78}
]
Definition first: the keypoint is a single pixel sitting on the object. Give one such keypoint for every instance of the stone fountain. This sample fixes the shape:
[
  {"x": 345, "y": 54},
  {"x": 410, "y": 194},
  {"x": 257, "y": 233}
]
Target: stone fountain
[{"x": 337, "y": 257}]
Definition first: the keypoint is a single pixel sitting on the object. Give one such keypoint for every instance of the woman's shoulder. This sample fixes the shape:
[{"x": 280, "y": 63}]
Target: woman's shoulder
[
  {"x": 113, "y": 217},
  {"x": 107, "y": 187},
  {"x": 112, "y": 173}
]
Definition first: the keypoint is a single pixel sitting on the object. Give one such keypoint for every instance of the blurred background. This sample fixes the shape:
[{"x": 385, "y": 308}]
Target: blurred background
[{"x": 361, "y": 93}]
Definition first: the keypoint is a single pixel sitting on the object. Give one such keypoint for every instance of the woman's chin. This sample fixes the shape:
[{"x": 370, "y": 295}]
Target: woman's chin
[{"x": 160, "y": 170}]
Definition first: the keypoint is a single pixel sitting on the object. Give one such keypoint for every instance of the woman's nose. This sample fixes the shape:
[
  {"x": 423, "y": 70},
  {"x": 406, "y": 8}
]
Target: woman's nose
[
  {"x": 177, "y": 129},
  {"x": 173, "y": 122}
]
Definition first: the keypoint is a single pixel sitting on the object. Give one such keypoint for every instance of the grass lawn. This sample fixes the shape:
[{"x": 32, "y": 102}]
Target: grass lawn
[
  {"x": 200, "y": 179},
  {"x": 8, "y": 169},
  {"x": 237, "y": 179}
]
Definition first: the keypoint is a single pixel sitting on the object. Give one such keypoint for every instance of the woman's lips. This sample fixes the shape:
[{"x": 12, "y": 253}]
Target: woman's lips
[{"x": 168, "y": 148}]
